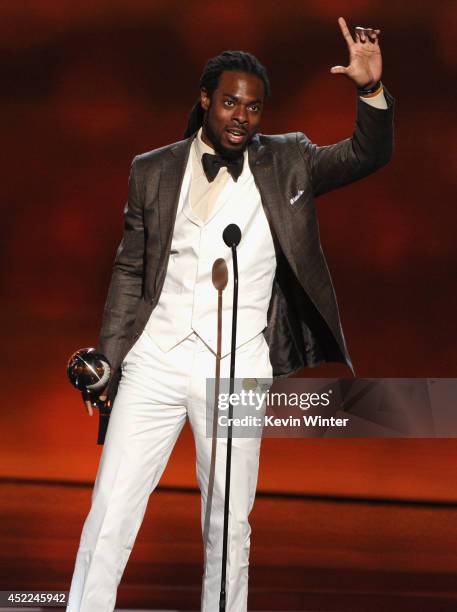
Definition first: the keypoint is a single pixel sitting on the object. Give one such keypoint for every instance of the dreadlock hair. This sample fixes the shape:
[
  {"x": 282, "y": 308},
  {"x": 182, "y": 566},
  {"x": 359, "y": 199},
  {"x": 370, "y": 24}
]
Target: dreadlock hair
[{"x": 240, "y": 61}]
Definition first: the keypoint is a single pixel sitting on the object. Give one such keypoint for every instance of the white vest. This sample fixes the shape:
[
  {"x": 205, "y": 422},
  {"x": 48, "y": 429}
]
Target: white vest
[{"x": 188, "y": 301}]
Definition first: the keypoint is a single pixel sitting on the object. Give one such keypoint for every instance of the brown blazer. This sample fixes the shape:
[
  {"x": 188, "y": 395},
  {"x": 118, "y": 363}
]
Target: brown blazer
[{"x": 304, "y": 326}]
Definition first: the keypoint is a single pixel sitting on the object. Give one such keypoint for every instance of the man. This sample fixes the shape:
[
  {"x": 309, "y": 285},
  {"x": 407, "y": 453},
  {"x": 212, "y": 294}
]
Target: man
[{"x": 159, "y": 321}]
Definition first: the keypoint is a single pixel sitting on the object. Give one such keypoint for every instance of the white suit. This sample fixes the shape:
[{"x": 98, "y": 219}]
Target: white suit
[{"x": 164, "y": 381}]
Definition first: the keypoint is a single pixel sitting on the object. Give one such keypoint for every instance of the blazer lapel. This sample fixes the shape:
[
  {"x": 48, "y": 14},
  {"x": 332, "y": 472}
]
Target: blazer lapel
[
  {"x": 261, "y": 162},
  {"x": 171, "y": 177},
  {"x": 172, "y": 174}
]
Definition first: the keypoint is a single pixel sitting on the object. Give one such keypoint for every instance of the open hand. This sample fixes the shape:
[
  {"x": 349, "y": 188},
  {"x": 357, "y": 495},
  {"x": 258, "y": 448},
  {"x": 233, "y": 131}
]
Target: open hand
[{"x": 365, "y": 61}]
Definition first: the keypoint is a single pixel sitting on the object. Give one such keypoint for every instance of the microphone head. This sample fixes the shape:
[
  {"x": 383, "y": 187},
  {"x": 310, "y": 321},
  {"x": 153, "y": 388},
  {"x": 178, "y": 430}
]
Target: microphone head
[
  {"x": 88, "y": 370},
  {"x": 232, "y": 235},
  {"x": 220, "y": 274}
]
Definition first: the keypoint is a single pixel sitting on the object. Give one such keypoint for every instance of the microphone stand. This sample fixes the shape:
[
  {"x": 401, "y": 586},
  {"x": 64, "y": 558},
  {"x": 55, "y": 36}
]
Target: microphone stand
[
  {"x": 222, "y": 597},
  {"x": 219, "y": 279}
]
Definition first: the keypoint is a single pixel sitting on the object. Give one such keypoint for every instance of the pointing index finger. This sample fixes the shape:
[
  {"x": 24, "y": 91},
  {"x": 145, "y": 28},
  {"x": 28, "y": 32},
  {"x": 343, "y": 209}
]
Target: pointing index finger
[{"x": 345, "y": 31}]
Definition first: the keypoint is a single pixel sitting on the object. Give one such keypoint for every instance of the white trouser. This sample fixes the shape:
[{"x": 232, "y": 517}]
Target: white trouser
[{"x": 156, "y": 393}]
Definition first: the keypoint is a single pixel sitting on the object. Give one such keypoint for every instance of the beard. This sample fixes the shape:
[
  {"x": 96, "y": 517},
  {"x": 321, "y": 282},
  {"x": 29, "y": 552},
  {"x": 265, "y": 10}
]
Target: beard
[{"x": 219, "y": 147}]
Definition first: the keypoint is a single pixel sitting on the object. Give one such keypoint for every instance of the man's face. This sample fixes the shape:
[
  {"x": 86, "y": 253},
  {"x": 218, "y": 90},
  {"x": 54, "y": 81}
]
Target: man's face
[{"x": 233, "y": 113}]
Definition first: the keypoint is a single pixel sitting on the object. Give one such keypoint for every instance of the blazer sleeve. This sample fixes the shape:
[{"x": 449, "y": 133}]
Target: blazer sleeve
[
  {"x": 126, "y": 285},
  {"x": 370, "y": 147}
]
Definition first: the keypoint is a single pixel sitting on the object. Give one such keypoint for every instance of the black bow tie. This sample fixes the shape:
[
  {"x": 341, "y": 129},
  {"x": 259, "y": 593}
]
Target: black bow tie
[{"x": 212, "y": 164}]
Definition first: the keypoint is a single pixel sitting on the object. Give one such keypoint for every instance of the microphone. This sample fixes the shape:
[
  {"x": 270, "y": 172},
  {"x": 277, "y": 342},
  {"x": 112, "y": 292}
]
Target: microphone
[
  {"x": 220, "y": 280},
  {"x": 232, "y": 235},
  {"x": 219, "y": 274},
  {"x": 232, "y": 238}
]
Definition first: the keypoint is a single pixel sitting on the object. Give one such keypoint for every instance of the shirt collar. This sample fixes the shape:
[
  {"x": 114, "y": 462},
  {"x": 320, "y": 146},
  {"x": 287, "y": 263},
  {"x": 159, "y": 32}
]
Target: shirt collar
[{"x": 201, "y": 147}]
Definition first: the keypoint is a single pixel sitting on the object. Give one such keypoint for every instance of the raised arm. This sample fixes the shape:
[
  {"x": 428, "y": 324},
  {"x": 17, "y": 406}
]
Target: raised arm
[{"x": 371, "y": 144}]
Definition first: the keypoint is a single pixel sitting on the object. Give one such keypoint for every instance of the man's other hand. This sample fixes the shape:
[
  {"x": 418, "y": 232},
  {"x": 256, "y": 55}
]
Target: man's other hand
[
  {"x": 365, "y": 61},
  {"x": 90, "y": 408}
]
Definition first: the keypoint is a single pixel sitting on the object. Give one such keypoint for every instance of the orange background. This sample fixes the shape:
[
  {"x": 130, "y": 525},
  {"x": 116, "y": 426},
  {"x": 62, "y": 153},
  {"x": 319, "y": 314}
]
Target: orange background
[{"x": 86, "y": 86}]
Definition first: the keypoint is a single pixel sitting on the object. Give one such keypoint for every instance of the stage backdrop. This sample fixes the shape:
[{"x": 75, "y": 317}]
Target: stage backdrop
[{"x": 86, "y": 86}]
